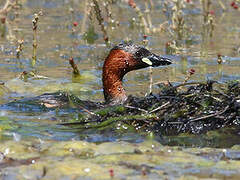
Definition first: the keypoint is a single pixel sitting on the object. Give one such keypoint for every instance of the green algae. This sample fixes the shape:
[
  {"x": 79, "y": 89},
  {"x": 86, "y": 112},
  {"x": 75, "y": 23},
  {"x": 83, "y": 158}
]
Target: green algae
[
  {"x": 82, "y": 149},
  {"x": 39, "y": 86},
  {"x": 6, "y": 125},
  {"x": 78, "y": 159},
  {"x": 114, "y": 109}
]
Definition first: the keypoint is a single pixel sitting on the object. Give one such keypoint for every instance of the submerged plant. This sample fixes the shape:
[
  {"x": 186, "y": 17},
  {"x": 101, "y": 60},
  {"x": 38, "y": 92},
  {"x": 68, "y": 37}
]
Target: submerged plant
[
  {"x": 219, "y": 59},
  {"x": 34, "y": 27},
  {"x": 189, "y": 75},
  {"x": 74, "y": 67},
  {"x": 19, "y": 48}
]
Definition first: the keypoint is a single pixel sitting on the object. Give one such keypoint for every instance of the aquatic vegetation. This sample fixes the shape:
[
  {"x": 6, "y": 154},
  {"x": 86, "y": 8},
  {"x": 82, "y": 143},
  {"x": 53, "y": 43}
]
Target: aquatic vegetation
[
  {"x": 61, "y": 134},
  {"x": 74, "y": 66},
  {"x": 34, "y": 27},
  {"x": 53, "y": 160},
  {"x": 19, "y": 48},
  {"x": 205, "y": 108},
  {"x": 100, "y": 20},
  {"x": 180, "y": 34}
]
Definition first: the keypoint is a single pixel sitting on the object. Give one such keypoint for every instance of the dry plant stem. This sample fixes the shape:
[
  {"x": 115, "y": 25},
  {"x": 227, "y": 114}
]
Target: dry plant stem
[
  {"x": 139, "y": 109},
  {"x": 73, "y": 29},
  {"x": 108, "y": 11},
  {"x": 87, "y": 10},
  {"x": 143, "y": 20},
  {"x": 3, "y": 15},
  {"x": 206, "y": 8},
  {"x": 150, "y": 79},
  {"x": 143, "y": 110},
  {"x": 145, "y": 42},
  {"x": 10, "y": 36},
  {"x": 140, "y": 16},
  {"x": 7, "y": 7},
  {"x": 177, "y": 19},
  {"x": 147, "y": 26},
  {"x": 222, "y": 5},
  {"x": 187, "y": 78},
  {"x": 189, "y": 83},
  {"x": 203, "y": 117},
  {"x": 16, "y": 8},
  {"x": 100, "y": 20},
  {"x": 210, "y": 115},
  {"x": 147, "y": 11},
  {"x": 86, "y": 110},
  {"x": 219, "y": 92},
  {"x": 160, "y": 107},
  {"x": 34, "y": 26},
  {"x": 208, "y": 18},
  {"x": 151, "y": 3},
  {"x": 159, "y": 82}
]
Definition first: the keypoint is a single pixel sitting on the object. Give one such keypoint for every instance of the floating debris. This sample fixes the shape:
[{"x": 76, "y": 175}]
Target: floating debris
[{"x": 192, "y": 108}]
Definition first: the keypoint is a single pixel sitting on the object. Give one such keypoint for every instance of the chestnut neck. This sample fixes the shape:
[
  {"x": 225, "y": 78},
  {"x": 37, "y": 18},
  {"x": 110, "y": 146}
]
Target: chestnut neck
[{"x": 116, "y": 65}]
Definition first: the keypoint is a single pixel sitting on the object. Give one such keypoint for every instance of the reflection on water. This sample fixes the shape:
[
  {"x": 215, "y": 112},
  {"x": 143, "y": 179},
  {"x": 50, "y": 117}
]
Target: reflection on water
[{"x": 56, "y": 42}]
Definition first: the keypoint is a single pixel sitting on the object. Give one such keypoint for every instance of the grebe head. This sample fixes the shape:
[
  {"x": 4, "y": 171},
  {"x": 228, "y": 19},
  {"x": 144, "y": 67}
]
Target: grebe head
[{"x": 122, "y": 59}]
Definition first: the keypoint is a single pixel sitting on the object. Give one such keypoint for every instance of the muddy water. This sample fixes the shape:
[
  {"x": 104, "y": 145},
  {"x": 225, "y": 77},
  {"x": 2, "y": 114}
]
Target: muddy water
[{"x": 56, "y": 43}]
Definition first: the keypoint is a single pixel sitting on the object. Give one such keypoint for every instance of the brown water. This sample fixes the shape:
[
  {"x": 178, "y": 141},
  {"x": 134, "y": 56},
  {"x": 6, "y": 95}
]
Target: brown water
[{"x": 55, "y": 41}]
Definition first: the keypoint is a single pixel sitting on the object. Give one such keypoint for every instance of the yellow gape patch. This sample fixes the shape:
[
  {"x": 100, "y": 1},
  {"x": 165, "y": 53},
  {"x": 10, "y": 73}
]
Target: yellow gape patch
[{"x": 147, "y": 61}]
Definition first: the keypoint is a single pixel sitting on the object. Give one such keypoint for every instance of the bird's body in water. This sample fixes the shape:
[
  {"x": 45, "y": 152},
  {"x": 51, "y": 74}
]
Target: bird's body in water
[{"x": 121, "y": 59}]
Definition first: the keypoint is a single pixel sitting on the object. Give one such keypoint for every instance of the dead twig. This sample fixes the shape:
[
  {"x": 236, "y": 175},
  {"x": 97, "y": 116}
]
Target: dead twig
[
  {"x": 7, "y": 7},
  {"x": 210, "y": 115},
  {"x": 86, "y": 110},
  {"x": 219, "y": 92},
  {"x": 139, "y": 109},
  {"x": 189, "y": 83},
  {"x": 160, "y": 107}
]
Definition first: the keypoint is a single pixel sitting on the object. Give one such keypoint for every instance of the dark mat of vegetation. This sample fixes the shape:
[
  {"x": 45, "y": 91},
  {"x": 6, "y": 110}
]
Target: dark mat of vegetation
[
  {"x": 196, "y": 110},
  {"x": 176, "y": 109}
]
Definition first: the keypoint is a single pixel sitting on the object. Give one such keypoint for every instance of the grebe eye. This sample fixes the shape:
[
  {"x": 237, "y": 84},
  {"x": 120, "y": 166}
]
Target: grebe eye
[{"x": 138, "y": 53}]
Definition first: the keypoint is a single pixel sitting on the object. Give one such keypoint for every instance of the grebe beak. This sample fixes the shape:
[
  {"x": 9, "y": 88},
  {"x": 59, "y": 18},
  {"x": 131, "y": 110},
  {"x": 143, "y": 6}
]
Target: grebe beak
[{"x": 154, "y": 60}]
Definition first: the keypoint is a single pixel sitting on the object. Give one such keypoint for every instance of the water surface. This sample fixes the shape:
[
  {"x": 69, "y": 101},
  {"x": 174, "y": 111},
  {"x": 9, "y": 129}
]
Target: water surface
[{"x": 56, "y": 43}]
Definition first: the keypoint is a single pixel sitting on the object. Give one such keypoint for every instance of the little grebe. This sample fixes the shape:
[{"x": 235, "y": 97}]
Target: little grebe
[{"x": 122, "y": 59}]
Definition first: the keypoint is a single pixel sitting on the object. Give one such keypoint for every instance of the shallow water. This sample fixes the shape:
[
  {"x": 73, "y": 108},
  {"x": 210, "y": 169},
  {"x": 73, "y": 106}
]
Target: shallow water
[
  {"x": 55, "y": 41},
  {"x": 31, "y": 133}
]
